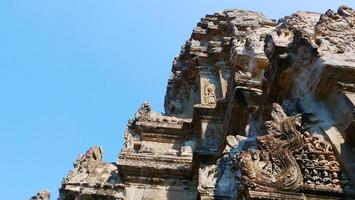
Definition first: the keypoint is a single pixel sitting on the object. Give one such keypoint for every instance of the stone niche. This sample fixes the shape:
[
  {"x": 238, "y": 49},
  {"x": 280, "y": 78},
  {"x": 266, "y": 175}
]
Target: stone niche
[{"x": 210, "y": 136}]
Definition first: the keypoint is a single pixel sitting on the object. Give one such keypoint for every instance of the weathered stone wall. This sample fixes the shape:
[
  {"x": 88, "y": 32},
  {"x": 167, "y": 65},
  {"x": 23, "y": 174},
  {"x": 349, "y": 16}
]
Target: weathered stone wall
[{"x": 254, "y": 109}]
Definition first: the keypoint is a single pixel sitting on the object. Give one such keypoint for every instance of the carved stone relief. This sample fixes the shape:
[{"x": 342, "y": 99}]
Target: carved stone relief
[
  {"x": 288, "y": 158},
  {"x": 210, "y": 136},
  {"x": 210, "y": 94},
  {"x": 228, "y": 81},
  {"x": 210, "y": 88}
]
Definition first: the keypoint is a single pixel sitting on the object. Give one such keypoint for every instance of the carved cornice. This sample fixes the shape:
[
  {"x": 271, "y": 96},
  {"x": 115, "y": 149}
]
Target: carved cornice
[{"x": 151, "y": 165}]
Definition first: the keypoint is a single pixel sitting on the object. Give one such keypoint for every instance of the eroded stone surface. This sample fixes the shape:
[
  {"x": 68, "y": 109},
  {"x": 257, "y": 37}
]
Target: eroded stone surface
[
  {"x": 92, "y": 178},
  {"x": 42, "y": 195},
  {"x": 254, "y": 109}
]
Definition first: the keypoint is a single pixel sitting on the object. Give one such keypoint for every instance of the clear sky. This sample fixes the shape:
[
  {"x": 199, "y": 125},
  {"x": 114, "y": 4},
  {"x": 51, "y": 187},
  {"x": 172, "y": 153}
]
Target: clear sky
[{"x": 72, "y": 73}]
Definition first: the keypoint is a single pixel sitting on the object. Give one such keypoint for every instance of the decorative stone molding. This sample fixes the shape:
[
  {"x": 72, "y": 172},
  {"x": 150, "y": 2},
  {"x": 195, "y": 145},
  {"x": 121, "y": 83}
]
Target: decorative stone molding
[{"x": 254, "y": 109}]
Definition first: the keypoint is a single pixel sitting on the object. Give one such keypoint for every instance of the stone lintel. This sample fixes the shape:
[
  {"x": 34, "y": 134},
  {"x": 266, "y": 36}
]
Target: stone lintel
[{"x": 147, "y": 165}]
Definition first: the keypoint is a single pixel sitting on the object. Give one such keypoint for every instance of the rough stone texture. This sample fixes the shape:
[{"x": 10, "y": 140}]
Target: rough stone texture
[
  {"x": 92, "y": 178},
  {"x": 42, "y": 195},
  {"x": 254, "y": 109}
]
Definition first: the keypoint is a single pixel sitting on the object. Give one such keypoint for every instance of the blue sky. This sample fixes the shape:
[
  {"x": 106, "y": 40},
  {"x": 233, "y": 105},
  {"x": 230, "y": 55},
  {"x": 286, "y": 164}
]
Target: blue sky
[{"x": 72, "y": 73}]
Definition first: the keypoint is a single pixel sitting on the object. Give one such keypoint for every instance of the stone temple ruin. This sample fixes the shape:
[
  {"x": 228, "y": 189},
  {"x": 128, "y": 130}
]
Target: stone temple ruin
[{"x": 254, "y": 109}]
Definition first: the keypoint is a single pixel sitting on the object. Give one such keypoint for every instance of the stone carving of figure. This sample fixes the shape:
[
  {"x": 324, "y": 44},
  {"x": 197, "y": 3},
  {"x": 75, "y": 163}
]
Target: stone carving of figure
[
  {"x": 211, "y": 139},
  {"x": 333, "y": 164},
  {"x": 307, "y": 177},
  {"x": 322, "y": 161},
  {"x": 315, "y": 177},
  {"x": 326, "y": 178},
  {"x": 335, "y": 179},
  {"x": 178, "y": 106},
  {"x": 322, "y": 146},
  {"x": 210, "y": 96}
]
